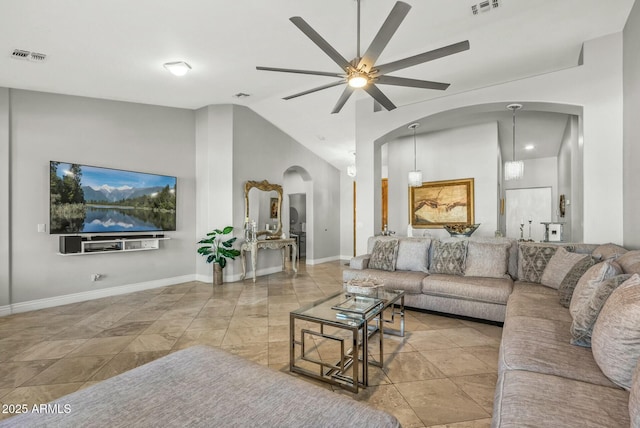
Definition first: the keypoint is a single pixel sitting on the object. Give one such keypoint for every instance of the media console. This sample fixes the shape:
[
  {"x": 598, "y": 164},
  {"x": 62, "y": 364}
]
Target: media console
[{"x": 80, "y": 246}]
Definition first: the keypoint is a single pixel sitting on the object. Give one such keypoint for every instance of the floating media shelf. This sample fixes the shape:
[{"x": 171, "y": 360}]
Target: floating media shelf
[{"x": 116, "y": 245}]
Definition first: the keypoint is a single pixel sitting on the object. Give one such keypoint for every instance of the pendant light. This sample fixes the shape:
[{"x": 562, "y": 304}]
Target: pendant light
[
  {"x": 415, "y": 176},
  {"x": 514, "y": 170}
]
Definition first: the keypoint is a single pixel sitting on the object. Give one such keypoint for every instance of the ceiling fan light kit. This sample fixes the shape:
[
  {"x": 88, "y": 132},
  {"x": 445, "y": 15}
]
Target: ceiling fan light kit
[
  {"x": 363, "y": 72},
  {"x": 514, "y": 170}
]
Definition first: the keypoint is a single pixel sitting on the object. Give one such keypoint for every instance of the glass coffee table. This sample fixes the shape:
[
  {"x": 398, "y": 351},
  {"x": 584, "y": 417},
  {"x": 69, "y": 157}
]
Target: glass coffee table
[{"x": 329, "y": 339}]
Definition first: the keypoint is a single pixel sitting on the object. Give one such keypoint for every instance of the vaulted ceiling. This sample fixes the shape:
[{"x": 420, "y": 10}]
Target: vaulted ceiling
[{"x": 115, "y": 50}]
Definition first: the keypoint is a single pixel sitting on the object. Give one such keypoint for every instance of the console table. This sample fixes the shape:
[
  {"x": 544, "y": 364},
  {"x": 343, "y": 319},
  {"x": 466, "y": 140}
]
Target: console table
[{"x": 270, "y": 244}]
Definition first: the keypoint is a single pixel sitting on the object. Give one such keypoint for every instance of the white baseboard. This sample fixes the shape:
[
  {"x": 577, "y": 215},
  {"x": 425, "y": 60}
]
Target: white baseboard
[
  {"x": 344, "y": 258},
  {"x": 237, "y": 276},
  {"x": 323, "y": 260},
  {"x": 49, "y": 302},
  {"x": 5, "y": 310}
]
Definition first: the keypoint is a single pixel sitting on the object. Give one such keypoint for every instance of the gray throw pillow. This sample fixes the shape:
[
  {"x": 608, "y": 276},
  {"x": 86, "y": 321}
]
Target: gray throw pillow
[
  {"x": 590, "y": 281},
  {"x": 383, "y": 255},
  {"x": 588, "y": 309},
  {"x": 533, "y": 259},
  {"x": 570, "y": 281},
  {"x": 615, "y": 340},
  {"x": 487, "y": 259},
  {"x": 413, "y": 254},
  {"x": 608, "y": 251},
  {"x": 560, "y": 264},
  {"x": 449, "y": 257}
]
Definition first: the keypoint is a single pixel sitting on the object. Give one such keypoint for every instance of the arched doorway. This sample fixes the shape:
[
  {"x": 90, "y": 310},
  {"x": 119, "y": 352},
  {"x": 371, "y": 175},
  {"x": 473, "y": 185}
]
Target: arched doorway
[{"x": 297, "y": 209}]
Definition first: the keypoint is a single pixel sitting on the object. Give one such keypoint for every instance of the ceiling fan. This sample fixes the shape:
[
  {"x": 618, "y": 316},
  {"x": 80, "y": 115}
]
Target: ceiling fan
[{"x": 362, "y": 71}]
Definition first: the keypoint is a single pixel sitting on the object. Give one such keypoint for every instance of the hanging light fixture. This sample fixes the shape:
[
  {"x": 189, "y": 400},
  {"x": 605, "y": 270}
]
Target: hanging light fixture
[
  {"x": 514, "y": 170},
  {"x": 415, "y": 176}
]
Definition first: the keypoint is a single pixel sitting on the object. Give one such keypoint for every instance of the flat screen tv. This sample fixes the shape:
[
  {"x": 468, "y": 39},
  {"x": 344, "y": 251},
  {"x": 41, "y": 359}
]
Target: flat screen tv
[{"x": 90, "y": 199}]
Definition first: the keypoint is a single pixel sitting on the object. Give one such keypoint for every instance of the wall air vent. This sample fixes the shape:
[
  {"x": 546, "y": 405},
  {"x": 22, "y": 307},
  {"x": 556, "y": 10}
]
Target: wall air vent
[
  {"x": 27, "y": 55},
  {"x": 484, "y": 6}
]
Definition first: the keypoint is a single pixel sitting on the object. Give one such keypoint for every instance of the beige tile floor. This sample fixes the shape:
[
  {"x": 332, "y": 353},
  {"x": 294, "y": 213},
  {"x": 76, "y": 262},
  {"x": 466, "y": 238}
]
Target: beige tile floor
[{"x": 442, "y": 373}]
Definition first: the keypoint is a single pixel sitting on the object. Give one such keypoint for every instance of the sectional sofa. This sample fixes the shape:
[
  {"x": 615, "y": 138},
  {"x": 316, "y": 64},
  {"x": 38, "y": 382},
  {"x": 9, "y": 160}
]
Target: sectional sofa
[{"x": 571, "y": 313}]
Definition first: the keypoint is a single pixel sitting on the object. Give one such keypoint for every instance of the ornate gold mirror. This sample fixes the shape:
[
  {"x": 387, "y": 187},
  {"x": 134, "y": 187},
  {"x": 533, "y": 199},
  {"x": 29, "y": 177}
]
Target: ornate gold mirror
[{"x": 263, "y": 204}]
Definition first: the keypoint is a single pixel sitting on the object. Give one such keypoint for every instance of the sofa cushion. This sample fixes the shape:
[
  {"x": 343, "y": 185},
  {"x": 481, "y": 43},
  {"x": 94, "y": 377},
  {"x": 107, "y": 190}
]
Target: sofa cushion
[
  {"x": 568, "y": 284},
  {"x": 411, "y": 282},
  {"x": 527, "y": 399},
  {"x": 533, "y": 259},
  {"x": 608, "y": 251},
  {"x": 383, "y": 255},
  {"x": 490, "y": 290},
  {"x": 413, "y": 254},
  {"x": 590, "y": 281},
  {"x": 487, "y": 259},
  {"x": 542, "y": 345},
  {"x": 588, "y": 306},
  {"x": 630, "y": 261},
  {"x": 560, "y": 264},
  {"x": 536, "y": 305},
  {"x": 634, "y": 399},
  {"x": 530, "y": 287},
  {"x": 616, "y": 336},
  {"x": 449, "y": 257}
]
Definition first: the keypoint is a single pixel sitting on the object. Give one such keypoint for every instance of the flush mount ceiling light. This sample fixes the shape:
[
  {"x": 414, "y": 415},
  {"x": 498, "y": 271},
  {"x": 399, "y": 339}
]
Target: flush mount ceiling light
[
  {"x": 514, "y": 170},
  {"x": 529, "y": 147},
  {"x": 358, "y": 80},
  {"x": 415, "y": 176},
  {"x": 177, "y": 68}
]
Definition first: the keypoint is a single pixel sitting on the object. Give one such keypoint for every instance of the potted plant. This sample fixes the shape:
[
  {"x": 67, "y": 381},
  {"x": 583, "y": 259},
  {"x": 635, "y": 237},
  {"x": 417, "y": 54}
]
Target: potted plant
[{"x": 217, "y": 250}]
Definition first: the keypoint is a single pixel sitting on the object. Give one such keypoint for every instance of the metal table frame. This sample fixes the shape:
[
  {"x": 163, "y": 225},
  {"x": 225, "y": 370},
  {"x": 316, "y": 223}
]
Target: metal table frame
[{"x": 354, "y": 350}]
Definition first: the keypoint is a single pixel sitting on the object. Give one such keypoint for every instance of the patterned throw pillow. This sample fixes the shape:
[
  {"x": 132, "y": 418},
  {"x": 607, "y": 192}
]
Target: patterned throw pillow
[
  {"x": 533, "y": 259},
  {"x": 615, "y": 340},
  {"x": 449, "y": 257},
  {"x": 383, "y": 255},
  {"x": 568, "y": 284},
  {"x": 587, "y": 310}
]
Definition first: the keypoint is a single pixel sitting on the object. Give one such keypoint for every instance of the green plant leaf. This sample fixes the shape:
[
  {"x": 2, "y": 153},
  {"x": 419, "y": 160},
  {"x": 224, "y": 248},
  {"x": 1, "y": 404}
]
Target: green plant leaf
[
  {"x": 227, "y": 229},
  {"x": 218, "y": 231},
  {"x": 210, "y": 259},
  {"x": 222, "y": 262}
]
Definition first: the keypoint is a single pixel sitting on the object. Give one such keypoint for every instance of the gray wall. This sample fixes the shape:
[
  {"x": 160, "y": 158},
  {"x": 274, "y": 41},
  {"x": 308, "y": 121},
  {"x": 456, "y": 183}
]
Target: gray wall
[
  {"x": 96, "y": 132},
  {"x": 452, "y": 154},
  {"x": 262, "y": 151},
  {"x": 631, "y": 90},
  {"x": 5, "y": 206}
]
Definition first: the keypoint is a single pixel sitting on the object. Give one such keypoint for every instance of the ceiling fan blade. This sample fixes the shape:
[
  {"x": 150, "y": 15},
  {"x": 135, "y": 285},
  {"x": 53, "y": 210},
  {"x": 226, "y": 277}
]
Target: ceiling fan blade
[
  {"x": 423, "y": 57},
  {"x": 343, "y": 99},
  {"x": 319, "y": 88},
  {"x": 290, "y": 70},
  {"x": 320, "y": 42},
  {"x": 379, "y": 96},
  {"x": 413, "y": 83},
  {"x": 380, "y": 41}
]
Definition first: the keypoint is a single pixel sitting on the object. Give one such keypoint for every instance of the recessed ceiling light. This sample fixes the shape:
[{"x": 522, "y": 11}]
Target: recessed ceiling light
[
  {"x": 178, "y": 68},
  {"x": 529, "y": 147}
]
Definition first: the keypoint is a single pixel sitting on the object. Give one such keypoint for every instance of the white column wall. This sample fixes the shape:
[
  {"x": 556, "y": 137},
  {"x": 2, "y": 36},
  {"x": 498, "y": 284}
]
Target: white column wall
[{"x": 596, "y": 86}]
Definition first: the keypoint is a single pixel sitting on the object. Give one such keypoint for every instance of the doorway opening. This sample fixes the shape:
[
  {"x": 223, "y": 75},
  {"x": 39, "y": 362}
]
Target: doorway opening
[{"x": 298, "y": 221}]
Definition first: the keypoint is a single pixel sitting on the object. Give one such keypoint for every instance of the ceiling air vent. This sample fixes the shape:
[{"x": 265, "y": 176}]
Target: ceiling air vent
[
  {"x": 27, "y": 55},
  {"x": 20, "y": 54},
  {"x": 37, "y": 57},
  {"x": 484, "y": 6}
]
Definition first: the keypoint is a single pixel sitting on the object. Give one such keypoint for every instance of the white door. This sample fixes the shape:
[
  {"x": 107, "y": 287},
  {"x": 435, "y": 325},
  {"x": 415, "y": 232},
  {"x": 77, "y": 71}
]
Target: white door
[{"x": 522, "y": 205}]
